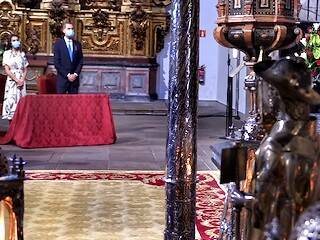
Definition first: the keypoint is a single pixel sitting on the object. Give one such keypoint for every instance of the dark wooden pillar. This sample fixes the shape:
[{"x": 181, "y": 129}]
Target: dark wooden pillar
[{"x": 181, "y": 152}]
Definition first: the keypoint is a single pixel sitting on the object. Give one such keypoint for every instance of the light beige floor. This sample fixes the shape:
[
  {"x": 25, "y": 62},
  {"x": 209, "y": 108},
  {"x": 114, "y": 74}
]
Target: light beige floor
[{"x": 122, "y": 209}]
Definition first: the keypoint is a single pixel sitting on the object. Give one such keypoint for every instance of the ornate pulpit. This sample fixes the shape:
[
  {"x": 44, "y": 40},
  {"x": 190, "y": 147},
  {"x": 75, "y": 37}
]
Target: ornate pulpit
[{"x": 257, "y": 28}]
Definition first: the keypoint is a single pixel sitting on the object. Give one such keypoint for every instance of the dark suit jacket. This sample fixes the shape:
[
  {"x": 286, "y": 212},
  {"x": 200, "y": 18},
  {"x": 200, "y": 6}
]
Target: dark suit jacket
[{"x": 63, "y": 64}]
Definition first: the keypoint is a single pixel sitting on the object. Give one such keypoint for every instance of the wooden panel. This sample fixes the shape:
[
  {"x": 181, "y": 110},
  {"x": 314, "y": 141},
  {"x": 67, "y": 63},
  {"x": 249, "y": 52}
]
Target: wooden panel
[
  {"x": 118, "y": 82},
  {"x": 102, "y": 41},
  {"x": 137, "y": 82},
  {"x": 38, "y": 34},
  {"x": 89, "y": 81},
  {"x": 111, "y": 81}
]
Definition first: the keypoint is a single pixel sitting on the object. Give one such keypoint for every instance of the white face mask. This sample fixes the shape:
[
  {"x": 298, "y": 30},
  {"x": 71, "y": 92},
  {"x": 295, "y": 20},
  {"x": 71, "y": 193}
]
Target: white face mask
[
  {"x": 15, "y": 44},
  {"x": 70, "y": 33}
]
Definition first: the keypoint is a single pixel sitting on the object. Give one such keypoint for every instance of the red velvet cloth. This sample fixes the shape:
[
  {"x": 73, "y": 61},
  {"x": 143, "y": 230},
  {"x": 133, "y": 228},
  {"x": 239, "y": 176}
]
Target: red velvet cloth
[
  {"x": 61, "y": 120},
  {"x": 47, "y": 84}
]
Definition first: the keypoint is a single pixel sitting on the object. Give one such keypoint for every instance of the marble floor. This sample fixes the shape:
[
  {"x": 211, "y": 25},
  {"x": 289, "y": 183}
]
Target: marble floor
[{"x": 141, "y": 141}]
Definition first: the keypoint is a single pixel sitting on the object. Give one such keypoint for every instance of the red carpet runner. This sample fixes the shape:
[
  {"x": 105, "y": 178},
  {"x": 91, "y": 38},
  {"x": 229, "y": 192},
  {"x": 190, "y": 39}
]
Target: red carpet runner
[{"x": 209, "y": 194}]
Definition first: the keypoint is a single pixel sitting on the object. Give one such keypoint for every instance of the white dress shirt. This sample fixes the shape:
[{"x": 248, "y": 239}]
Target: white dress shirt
[{"x": 69, "y": 43}]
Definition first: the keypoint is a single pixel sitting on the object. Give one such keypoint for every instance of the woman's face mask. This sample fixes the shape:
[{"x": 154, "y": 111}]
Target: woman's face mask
[{"x": 15, "y": 43}]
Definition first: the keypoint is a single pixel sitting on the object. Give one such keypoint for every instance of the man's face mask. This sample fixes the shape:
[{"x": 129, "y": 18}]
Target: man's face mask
[{"x": 70, "y": 33}]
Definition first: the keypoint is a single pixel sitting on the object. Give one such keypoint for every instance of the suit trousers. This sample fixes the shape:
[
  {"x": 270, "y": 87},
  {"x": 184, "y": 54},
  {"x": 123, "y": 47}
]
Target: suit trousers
[{"x": 69, "y": 87}]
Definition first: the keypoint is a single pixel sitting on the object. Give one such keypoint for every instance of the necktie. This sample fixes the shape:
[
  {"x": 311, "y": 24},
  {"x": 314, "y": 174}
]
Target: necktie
[{"x": 70, "y": 50}]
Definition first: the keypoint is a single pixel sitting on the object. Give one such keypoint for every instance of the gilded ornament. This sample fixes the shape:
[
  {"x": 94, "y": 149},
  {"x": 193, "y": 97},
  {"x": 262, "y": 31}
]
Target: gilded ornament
[
  {"x": 33, "y": 38},
  {"x": 4, "y": 23},
  {"x": 101, "y": 24},
  {"x": 100, "y": 35},
  {"x": 28, "y": 3},
  {"x": 9, "y": 21},
  {"x": 138, "y": 26},
  {"x": 114, "y": 5},
  {"x": 162, "y": 2},
  {"x": 57, "y": 15}
]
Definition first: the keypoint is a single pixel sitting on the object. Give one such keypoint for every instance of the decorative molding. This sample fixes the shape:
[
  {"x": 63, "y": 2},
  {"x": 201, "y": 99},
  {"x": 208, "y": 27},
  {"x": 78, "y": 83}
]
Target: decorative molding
[
  {"x": 101, "y": 41},
  {"x": 101, "y": 24},
  {"x": 33, "y": 38},
  {"x": 114, "y": 5},
  {"x": 57, "y": 15},
  {"x": 134, "y": 2},
  {"x": 9, "y": 21},
  {"x": 263, "y": 7},
  {"x": 33, "y": 4},
  {"x": 138, "y": 26},
  {"x": 162, "y": 2}
]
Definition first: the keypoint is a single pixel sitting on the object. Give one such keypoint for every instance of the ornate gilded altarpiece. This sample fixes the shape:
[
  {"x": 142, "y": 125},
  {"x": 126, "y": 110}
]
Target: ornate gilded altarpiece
[{"x": 120, "y": 40}]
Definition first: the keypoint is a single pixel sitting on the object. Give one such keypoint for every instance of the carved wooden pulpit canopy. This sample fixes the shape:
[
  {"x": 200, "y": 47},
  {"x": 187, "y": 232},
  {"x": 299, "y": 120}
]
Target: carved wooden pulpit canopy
[
  {"x": 257, "y": 27},
  {"x": 250, "y": 25}
]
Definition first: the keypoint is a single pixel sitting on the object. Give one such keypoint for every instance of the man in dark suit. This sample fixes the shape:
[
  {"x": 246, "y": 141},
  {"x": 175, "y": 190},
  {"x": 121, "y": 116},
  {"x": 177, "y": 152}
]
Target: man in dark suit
[{"x": 68, "y": 61}]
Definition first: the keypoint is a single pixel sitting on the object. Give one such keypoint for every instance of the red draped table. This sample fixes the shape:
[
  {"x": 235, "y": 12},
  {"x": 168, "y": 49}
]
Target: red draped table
[{"x": 61, "y": 120}]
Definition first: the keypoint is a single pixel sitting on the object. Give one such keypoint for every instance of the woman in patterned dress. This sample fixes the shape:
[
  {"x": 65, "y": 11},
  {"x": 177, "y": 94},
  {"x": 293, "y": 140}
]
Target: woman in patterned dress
[{"x": 15, "y": 65}]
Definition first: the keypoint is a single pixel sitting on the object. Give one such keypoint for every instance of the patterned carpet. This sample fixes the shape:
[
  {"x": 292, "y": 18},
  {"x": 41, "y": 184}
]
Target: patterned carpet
[{"x": 71, "y": 205}]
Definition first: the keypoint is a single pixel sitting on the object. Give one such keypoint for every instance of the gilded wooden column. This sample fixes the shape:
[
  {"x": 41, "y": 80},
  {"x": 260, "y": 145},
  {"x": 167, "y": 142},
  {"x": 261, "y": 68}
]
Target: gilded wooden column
[{"x": 181, "y": 152}]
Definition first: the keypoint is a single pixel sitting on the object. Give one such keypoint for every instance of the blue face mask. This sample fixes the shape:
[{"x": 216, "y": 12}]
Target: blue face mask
[
  {"x": 15, "y": 44},
  {"x": 70, "y": 33}
]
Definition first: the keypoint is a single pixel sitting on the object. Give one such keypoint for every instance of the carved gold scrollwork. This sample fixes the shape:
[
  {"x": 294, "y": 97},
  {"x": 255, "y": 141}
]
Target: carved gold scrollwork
[
  {"x": 138, "y": 26},
  {"x": 33, "y": 38},
  {"x": 101, "y": 25},
  {"x": 57, "y": 15},
  {"x": 162, "y": 2},
  {"x": 9, "y": 22},
  {"x": 114, "y": 5},
  {"x": 86, "y": 3},
  {"x": 27, "y": 3},
  {"x": 4, "y": 23},
  {"x": 137, "y": 1},
  {"x": 102, "y": 37}
]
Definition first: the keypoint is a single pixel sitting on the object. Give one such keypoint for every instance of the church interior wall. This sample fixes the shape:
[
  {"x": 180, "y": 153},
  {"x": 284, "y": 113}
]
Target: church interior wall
[{"x": 213, "y": 56}]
